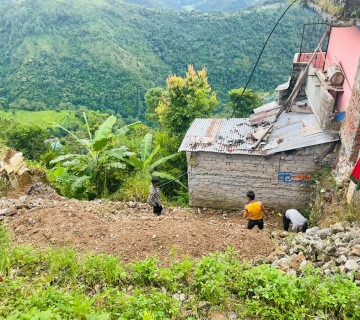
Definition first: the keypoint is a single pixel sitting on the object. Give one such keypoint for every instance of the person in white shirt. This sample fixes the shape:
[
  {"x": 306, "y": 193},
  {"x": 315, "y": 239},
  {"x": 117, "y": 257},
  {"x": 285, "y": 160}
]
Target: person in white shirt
[{"x": 299, "y": 222}]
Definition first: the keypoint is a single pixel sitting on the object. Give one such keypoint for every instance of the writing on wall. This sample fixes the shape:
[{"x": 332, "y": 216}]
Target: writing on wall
[{"x": 295, "y": 177}]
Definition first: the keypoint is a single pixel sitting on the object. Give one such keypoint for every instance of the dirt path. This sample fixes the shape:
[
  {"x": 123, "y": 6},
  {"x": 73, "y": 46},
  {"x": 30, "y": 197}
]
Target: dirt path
[{"x": 131, "y": 231}]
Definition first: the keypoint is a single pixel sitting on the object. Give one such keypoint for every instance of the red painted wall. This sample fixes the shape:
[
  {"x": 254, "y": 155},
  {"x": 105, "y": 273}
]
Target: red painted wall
[{"x": 344, "y": 48}]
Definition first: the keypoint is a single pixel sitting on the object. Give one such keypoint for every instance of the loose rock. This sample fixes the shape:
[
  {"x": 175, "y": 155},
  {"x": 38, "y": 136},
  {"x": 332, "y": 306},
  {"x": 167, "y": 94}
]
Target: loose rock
[{"x": 351, "y": 265}]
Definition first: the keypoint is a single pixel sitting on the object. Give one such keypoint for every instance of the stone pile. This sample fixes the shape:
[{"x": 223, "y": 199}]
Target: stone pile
[
  {"x": 10, "y": 207},
  {"x": 335, "y": 249}
]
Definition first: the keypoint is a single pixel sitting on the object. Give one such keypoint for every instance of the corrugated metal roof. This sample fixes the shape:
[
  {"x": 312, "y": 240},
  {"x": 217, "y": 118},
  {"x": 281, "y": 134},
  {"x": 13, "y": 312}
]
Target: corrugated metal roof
[
  {"x": 290, "y": 129},
  {"x": 230, "y": 136},
  {"x": 267, "y": 107},
  {"x": 234, "y": 136}
]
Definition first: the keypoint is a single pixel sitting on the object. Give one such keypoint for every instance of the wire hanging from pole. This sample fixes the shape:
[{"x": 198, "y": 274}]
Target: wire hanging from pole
[
  {"x": 164, "y": 184},
  {"x": 258, "y": 59}
]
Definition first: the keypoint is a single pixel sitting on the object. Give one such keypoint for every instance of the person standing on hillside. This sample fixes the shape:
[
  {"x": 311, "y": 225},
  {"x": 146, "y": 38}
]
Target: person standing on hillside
[
  {"x": 299, "y": 222},
  {"x": 254, "y": 211},
  {"x": 154, "y": 196}
]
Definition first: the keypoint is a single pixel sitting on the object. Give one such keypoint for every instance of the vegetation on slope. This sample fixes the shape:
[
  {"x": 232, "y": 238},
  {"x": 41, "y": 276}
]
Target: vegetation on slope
[
  {"x": 62, "y": 284},
  {"x": 329, "y": 204},
  {"x": 106, "y": 54}
]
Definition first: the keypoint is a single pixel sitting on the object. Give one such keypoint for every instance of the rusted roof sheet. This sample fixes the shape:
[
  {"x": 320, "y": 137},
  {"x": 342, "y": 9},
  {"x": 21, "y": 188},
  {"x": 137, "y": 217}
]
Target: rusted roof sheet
[
  {"x": 233, "y": 136},
  {"x": 230, "y": 136}
]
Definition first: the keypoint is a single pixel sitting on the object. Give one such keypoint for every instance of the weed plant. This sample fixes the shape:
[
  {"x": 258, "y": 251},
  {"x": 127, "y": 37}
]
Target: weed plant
[
  {"x": 63, "y": 284},
  {"x": 329, "y": 201}
]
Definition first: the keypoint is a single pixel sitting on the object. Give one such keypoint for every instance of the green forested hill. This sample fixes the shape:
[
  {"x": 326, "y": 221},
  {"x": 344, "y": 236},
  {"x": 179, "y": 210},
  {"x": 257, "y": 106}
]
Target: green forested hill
[
  {"x": 104, "y": 54},
  {"x": 198, "y": 5}
]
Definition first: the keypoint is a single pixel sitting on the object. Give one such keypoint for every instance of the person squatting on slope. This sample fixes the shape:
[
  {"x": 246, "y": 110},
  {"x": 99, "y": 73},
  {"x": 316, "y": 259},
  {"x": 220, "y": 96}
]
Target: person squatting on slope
[
  {"x": 154, "y": 198},
  {"x": 299, "y": 222},
  {"x": 254, "y": 212}
]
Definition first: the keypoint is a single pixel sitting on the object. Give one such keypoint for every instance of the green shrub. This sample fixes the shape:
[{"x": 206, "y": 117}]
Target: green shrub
[
  {"x": 210, "y": 279},
  {"x": 135, "y": 188},
  {"x": 28, "y": 139},
  {"x": 101, "y": 270}
]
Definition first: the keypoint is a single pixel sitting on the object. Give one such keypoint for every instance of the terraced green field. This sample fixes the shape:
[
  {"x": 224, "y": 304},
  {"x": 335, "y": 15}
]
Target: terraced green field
[{"x": 40, "y": 118}]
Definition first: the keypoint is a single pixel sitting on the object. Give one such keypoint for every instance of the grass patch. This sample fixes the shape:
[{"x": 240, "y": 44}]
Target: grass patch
[
  {"x": 62, "y": 284},
  {"x": 39, "y": 118}
]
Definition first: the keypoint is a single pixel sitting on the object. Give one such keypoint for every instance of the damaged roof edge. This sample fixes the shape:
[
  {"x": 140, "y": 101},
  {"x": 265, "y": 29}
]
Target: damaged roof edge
[{"x": 236, "y": 135}]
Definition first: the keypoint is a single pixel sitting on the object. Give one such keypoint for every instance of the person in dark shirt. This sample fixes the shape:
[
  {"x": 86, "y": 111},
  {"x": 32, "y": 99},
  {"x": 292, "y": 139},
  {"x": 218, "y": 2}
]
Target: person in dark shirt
[{"x": 154, "y": 198}]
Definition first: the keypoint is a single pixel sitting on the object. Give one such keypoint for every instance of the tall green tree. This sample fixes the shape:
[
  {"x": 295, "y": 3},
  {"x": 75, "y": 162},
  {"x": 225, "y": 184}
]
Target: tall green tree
[
  {"x": 249, "y": 101},
  {"x": 153, "y": 97},
  {"x": 186, "y": 99}
]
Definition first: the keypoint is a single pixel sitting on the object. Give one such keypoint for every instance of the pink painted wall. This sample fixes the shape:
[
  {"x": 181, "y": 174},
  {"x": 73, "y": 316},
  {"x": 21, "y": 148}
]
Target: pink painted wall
[
  {"x": 344, "y": 48},
  {"x": 318, "y": 61}
]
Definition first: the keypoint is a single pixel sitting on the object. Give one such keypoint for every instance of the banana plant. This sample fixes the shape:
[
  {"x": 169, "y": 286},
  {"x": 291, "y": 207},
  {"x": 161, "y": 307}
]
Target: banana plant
[
  {"x": 145, "y": 164},
  {"x": 89, "y": 170}
]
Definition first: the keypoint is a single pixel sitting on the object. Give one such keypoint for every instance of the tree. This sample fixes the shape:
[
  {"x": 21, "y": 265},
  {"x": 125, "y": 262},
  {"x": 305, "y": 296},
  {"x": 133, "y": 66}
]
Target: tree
[
  {"x": 136, "y": 187},
  {"x": 249, "y": 101},
  {"x": 29, "y": 139},
  {"x": 88, "y": 173},
  {"x": 4, "y": 104},
  {"x": 146, "y": 164},
  {"x": 153, "y": 97},
  {"x": 184, "y": 100}
]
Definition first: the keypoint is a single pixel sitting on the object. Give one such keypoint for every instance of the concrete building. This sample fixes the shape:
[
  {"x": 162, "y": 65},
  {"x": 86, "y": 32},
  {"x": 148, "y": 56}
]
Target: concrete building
[
  {"x": 344, "y": 50},
  {"x": 337, "y": 107},
  {"x": 334, "y": 101}
]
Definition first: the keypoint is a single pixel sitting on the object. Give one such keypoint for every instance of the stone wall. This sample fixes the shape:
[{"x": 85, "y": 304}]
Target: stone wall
[
  {"x": 221, "y": 181},
  {"x": 321, "y": 101},
  {"x": 350, "y": 133}
]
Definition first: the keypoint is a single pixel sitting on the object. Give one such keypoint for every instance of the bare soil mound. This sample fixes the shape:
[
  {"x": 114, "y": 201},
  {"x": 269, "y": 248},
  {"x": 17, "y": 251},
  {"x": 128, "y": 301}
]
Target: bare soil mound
[{"x": 131, "y": 231}]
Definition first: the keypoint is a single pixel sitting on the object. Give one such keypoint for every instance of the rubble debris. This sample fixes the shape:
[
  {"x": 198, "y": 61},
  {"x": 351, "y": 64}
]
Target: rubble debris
[
  {"x": 333, "y": 250},
  {"x": 15, "y": 170}
]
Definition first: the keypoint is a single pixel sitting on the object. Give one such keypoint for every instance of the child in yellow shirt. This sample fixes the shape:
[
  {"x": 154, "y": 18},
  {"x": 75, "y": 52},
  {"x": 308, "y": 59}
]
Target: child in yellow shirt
[{"x": 254, "y": 212}]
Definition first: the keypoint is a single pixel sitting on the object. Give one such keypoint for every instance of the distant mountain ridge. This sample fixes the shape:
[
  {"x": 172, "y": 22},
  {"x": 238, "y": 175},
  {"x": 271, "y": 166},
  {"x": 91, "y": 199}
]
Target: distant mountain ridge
[
  {"x": 202, "y": 5},
  {"x": 105, "y": 54}
]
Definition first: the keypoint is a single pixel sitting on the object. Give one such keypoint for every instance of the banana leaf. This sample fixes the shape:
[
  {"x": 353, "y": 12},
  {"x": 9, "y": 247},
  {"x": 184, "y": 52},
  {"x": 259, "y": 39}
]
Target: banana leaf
[
  {"x": 145, "y": 147},
  {"x": 102, "y": 135}
]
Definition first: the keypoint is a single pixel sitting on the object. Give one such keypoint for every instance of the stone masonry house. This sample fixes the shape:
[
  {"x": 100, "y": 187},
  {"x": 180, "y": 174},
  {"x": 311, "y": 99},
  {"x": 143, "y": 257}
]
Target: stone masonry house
[{"x": 223, "y": 165}]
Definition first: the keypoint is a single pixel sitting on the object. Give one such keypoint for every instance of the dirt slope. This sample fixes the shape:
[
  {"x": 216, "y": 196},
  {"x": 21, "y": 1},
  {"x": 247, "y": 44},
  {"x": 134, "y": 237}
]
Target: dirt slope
[{"x": 131, "y": 231}]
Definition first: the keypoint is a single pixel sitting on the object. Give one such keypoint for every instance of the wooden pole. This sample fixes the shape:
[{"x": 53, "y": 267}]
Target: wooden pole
[{"x": 290, "y": 100}]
